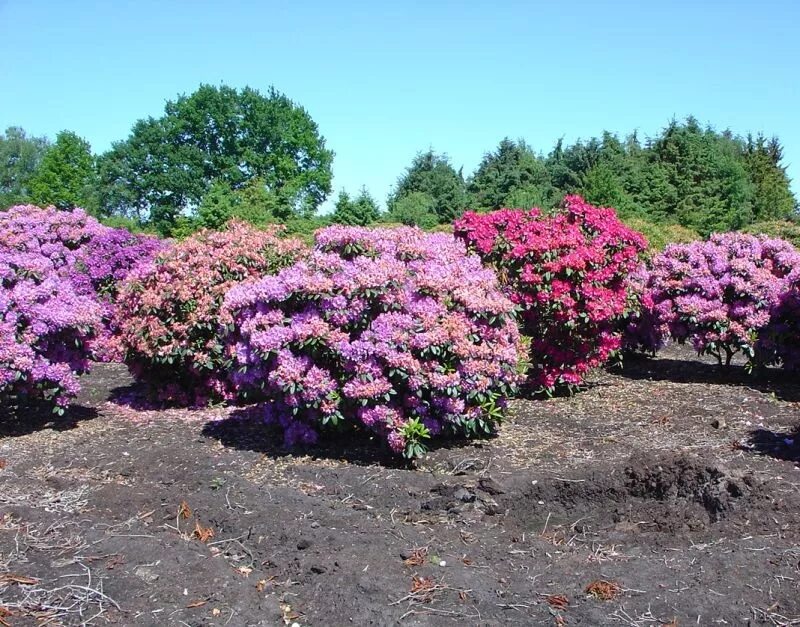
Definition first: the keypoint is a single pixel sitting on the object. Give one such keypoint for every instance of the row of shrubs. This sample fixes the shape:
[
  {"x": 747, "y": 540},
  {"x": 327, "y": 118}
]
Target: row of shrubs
[{"x": 403, "y": 333}]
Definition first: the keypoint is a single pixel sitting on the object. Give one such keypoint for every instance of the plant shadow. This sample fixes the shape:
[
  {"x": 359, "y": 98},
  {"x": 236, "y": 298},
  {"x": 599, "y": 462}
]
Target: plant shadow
[
  {"x": 245, "y": 430},
  {"x": 680, "y": 369},
  {"x": 32, "y": 417},
  {"x": 779, "y": 445}
]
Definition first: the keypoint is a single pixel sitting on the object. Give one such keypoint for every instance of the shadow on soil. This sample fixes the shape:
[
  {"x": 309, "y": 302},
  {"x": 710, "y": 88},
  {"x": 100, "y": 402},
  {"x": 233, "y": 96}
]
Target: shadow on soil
[
  {"x": 771, "y": 381},
  {"x": 245, "y": 431},
  {"x": 29, "y": 419},
  {"x": 779, "y": 445}
]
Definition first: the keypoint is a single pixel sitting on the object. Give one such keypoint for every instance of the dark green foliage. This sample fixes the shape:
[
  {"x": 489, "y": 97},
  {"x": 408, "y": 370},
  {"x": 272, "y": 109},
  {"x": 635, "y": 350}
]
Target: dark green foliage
[
  {"x": 512, "y": 176},
  {"x": 359, "y": 211},
  {"x": 697, "y": 177},
  {"x": 773, "y": 199},
  {"x": 218, "y": 135},
  {"x": 66, "y": 177},
  {"x": 432, "y": 174},
  {"x": 413, "y": 209},
  {"x": 20, "y": 156}
]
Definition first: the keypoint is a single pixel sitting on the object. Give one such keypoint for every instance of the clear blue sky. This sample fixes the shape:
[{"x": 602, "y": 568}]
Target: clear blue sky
[{"x": 385, "y": 80}]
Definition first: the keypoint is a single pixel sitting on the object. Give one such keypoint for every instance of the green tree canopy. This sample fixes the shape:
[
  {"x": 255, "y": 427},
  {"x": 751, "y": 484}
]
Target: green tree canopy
[
  {"x": 66, "y": 176},
  {"x": 218, "y": 134},
  {"x": 773, "y": 199},
  {"x": 20, "y": 156},
  {"x": 508, "y": 175},
  {"x": 414, "y": 209},
  {"x": 433, "y": 175},
  {"x": 359, "y": 211}
]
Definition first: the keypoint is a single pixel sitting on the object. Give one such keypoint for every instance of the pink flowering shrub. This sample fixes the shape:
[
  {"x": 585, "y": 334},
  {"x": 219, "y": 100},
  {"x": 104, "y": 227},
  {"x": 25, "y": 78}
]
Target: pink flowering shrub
[
  {"x": 92, "y": 257},
  {"x": 170, "y": 322},
  {"x": 567, "y": 273},
  {"x": 45, "y": 326},
  {"x": 719, "y": 294},
  {"x": 391, "y": 330}
]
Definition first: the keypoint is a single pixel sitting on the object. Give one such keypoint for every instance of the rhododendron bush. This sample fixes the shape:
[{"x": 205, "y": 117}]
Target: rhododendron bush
[
  {"x": 392, "y": 330},
  {"x": 719, "y": 294},
  {"x": 45, "y": 326},
  {"x": 172, "y": 328},
  {"x": 93, "y": 258},
  {"x": 779, "y": 342},
  {"x": 567, "y": 272}
]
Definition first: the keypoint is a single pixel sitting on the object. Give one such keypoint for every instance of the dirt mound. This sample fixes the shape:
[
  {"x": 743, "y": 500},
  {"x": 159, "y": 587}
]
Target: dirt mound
[{"x": 671, "y": 493}]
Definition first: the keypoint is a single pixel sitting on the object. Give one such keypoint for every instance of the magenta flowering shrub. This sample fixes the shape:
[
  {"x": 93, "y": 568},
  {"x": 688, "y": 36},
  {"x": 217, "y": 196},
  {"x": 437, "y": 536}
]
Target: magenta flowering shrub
[
  {"x": 719, "y": 294},
  {"x": 92, "y": 257},
  {"x": 391, "y": 330},
  {"x": 45, "y": 327},
  {"x": 170, "y": 323},
  {"x": 567, "y": 273}
]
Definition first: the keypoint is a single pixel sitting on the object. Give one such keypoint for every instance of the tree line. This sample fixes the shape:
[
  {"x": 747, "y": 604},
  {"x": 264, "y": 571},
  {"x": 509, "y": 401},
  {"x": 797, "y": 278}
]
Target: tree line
[{"x": 221, "y": 152}]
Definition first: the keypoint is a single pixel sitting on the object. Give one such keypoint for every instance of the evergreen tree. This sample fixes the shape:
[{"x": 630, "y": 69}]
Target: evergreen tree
[
  {"x": 773, "y": 199},
  {"x": 433, "y": 175},
  {"x": 360, "y": 211},
  {"x": 512, "y": 173}
]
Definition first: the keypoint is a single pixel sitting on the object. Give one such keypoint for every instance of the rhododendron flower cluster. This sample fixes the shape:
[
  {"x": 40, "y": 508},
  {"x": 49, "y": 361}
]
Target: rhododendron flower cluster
[
  {"x": 567, "y": 272},
  {"x": 44, "y": 329},
  {"x": 94, "y": 258},
  {"x": 719, "y": 294},
  {"x": 170, "y": 322},
  {"x": 392, "y": 330}
]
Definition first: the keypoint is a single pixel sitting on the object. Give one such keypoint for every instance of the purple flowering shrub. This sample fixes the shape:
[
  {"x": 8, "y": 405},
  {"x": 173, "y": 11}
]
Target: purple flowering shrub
[
  {"x": 779, "y": 341},
  {"x": 93, "y": 258},
  {"x": 45, "y": 327},
  {"x": 719, "y": 294},
  {"x": 395, "y": 331}
]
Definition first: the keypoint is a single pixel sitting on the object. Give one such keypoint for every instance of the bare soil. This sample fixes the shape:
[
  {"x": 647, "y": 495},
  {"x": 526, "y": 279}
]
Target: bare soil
[{"x": 665, "y": 494}]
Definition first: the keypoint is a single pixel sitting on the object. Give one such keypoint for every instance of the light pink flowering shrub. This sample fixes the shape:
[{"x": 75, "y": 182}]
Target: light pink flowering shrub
[
  {"x": 567, "y": 273},
  {"x": 170, "y": 322},
  {"x": 719, "y": 294},
  {"x": 392, "y": 330}
]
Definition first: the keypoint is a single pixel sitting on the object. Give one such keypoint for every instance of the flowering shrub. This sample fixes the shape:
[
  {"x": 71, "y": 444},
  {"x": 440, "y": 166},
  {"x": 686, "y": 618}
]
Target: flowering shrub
[
  {"x": 779, "y": 341},
  {"x": 92, "y": 257},
  {"x": 393, "y": 330},
  {"x": 566, "y": 271},
  {"x": 640, "y": 330},
  {"x": 718, "y": 294},
  {"x": 44, "y": 329},
  {"x": 170, "y": 322}
]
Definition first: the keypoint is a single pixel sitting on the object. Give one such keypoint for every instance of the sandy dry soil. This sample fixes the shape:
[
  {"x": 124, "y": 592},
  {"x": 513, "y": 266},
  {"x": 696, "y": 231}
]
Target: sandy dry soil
[{"x": 665, "y": 494}]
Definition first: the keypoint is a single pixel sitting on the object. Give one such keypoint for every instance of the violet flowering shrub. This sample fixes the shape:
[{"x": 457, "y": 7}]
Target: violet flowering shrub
[
  {"x": 395, "y": 331},
  {"x": 719, "y": 294},
  {"x": 102, "y": 264},
  {"x": 45, "y": 329},
  {"x": 566, "y": 271},
  {"x": 170, "y": 322},
  {"x": 92, "y": 257},
  {"x": 641, "y": 331},
  {"x": 779, "y": 341}
]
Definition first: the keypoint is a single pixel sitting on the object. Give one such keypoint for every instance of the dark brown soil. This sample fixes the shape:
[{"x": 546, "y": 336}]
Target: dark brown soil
[{"x": 666, "y": 494}]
